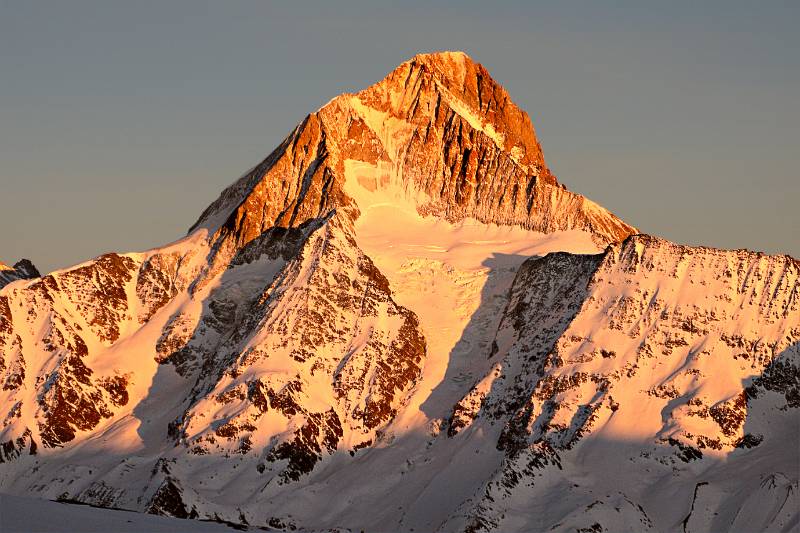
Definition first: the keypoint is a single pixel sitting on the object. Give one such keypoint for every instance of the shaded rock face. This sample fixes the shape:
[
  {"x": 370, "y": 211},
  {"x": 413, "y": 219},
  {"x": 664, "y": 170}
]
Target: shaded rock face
[
  {"x": 266, "y": 361},
  {"x": 22, "y": 269}
]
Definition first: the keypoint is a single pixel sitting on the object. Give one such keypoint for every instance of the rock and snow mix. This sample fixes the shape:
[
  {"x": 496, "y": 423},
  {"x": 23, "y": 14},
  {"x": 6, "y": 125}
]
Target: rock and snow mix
[{"x": 401, "y": 321}]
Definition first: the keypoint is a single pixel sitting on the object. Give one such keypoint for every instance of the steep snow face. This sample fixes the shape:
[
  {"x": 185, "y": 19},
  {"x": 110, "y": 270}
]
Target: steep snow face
[
  {"x": 651, "y": 387},
  {"x": 455, "y": 275}
]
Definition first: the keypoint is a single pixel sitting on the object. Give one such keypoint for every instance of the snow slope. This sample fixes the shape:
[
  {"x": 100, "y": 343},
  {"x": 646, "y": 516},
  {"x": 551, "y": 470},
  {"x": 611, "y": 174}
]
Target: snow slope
[{"x": 30, "y": 515}]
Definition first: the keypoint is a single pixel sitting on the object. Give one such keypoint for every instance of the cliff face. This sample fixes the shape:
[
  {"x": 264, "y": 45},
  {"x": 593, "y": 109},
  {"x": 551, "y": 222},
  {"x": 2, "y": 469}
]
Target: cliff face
[{"x": 401, "y": 307}]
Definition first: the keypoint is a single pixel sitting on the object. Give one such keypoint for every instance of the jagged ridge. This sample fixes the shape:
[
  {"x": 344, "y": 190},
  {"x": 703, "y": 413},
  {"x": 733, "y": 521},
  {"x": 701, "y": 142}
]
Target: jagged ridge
[{"x": 651, "y": 349}]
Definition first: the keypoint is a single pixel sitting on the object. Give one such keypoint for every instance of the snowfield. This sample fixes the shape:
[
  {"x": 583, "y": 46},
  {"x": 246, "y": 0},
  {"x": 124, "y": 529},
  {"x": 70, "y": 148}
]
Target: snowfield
[{"x": 31, "y": 515}]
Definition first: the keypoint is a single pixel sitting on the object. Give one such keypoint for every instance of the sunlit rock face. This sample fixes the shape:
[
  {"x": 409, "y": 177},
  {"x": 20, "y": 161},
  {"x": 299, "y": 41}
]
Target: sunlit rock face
[
  {"x": 400, "y": 320},
  {"x": 439, "y": 129}
]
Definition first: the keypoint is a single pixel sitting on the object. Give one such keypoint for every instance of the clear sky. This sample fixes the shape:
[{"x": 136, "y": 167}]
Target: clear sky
[{"x": 120, "y": 121}]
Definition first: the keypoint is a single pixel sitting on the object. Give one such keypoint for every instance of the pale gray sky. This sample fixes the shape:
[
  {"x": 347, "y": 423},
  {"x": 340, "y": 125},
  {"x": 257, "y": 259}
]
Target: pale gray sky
[{"x": 120, "y": 121}]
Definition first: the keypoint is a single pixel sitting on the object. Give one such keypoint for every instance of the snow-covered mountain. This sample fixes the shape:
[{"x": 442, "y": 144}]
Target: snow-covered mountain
[{"x": 401, "y": 321}]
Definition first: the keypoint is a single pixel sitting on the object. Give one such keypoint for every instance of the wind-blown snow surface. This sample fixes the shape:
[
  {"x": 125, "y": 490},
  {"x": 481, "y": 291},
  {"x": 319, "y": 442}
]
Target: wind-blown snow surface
[
  {"x": 401, "y": 321},
  {"x": 30, "y": 515}
]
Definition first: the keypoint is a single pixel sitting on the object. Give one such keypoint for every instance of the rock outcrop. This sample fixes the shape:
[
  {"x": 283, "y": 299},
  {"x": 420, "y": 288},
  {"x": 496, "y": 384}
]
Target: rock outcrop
[{"x": 22, "y": 269}]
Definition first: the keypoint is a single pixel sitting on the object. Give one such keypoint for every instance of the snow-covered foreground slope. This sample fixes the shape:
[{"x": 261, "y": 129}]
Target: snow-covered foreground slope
[
  {"x": 400, "y": 321},
  {"x": 31, "y": 515}
]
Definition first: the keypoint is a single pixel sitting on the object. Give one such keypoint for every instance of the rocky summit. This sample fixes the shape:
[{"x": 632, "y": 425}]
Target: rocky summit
[
  {"x": 401, "y": 321},
  {"x": 22, "y": 269}
]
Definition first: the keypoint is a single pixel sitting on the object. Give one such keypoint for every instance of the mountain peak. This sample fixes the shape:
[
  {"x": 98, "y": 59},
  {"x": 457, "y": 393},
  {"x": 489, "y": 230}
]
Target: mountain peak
[
  {"x": 22, "y": 269},
  {"x": 437, "y": 130},
  {"x": 470, "y": 91}
]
